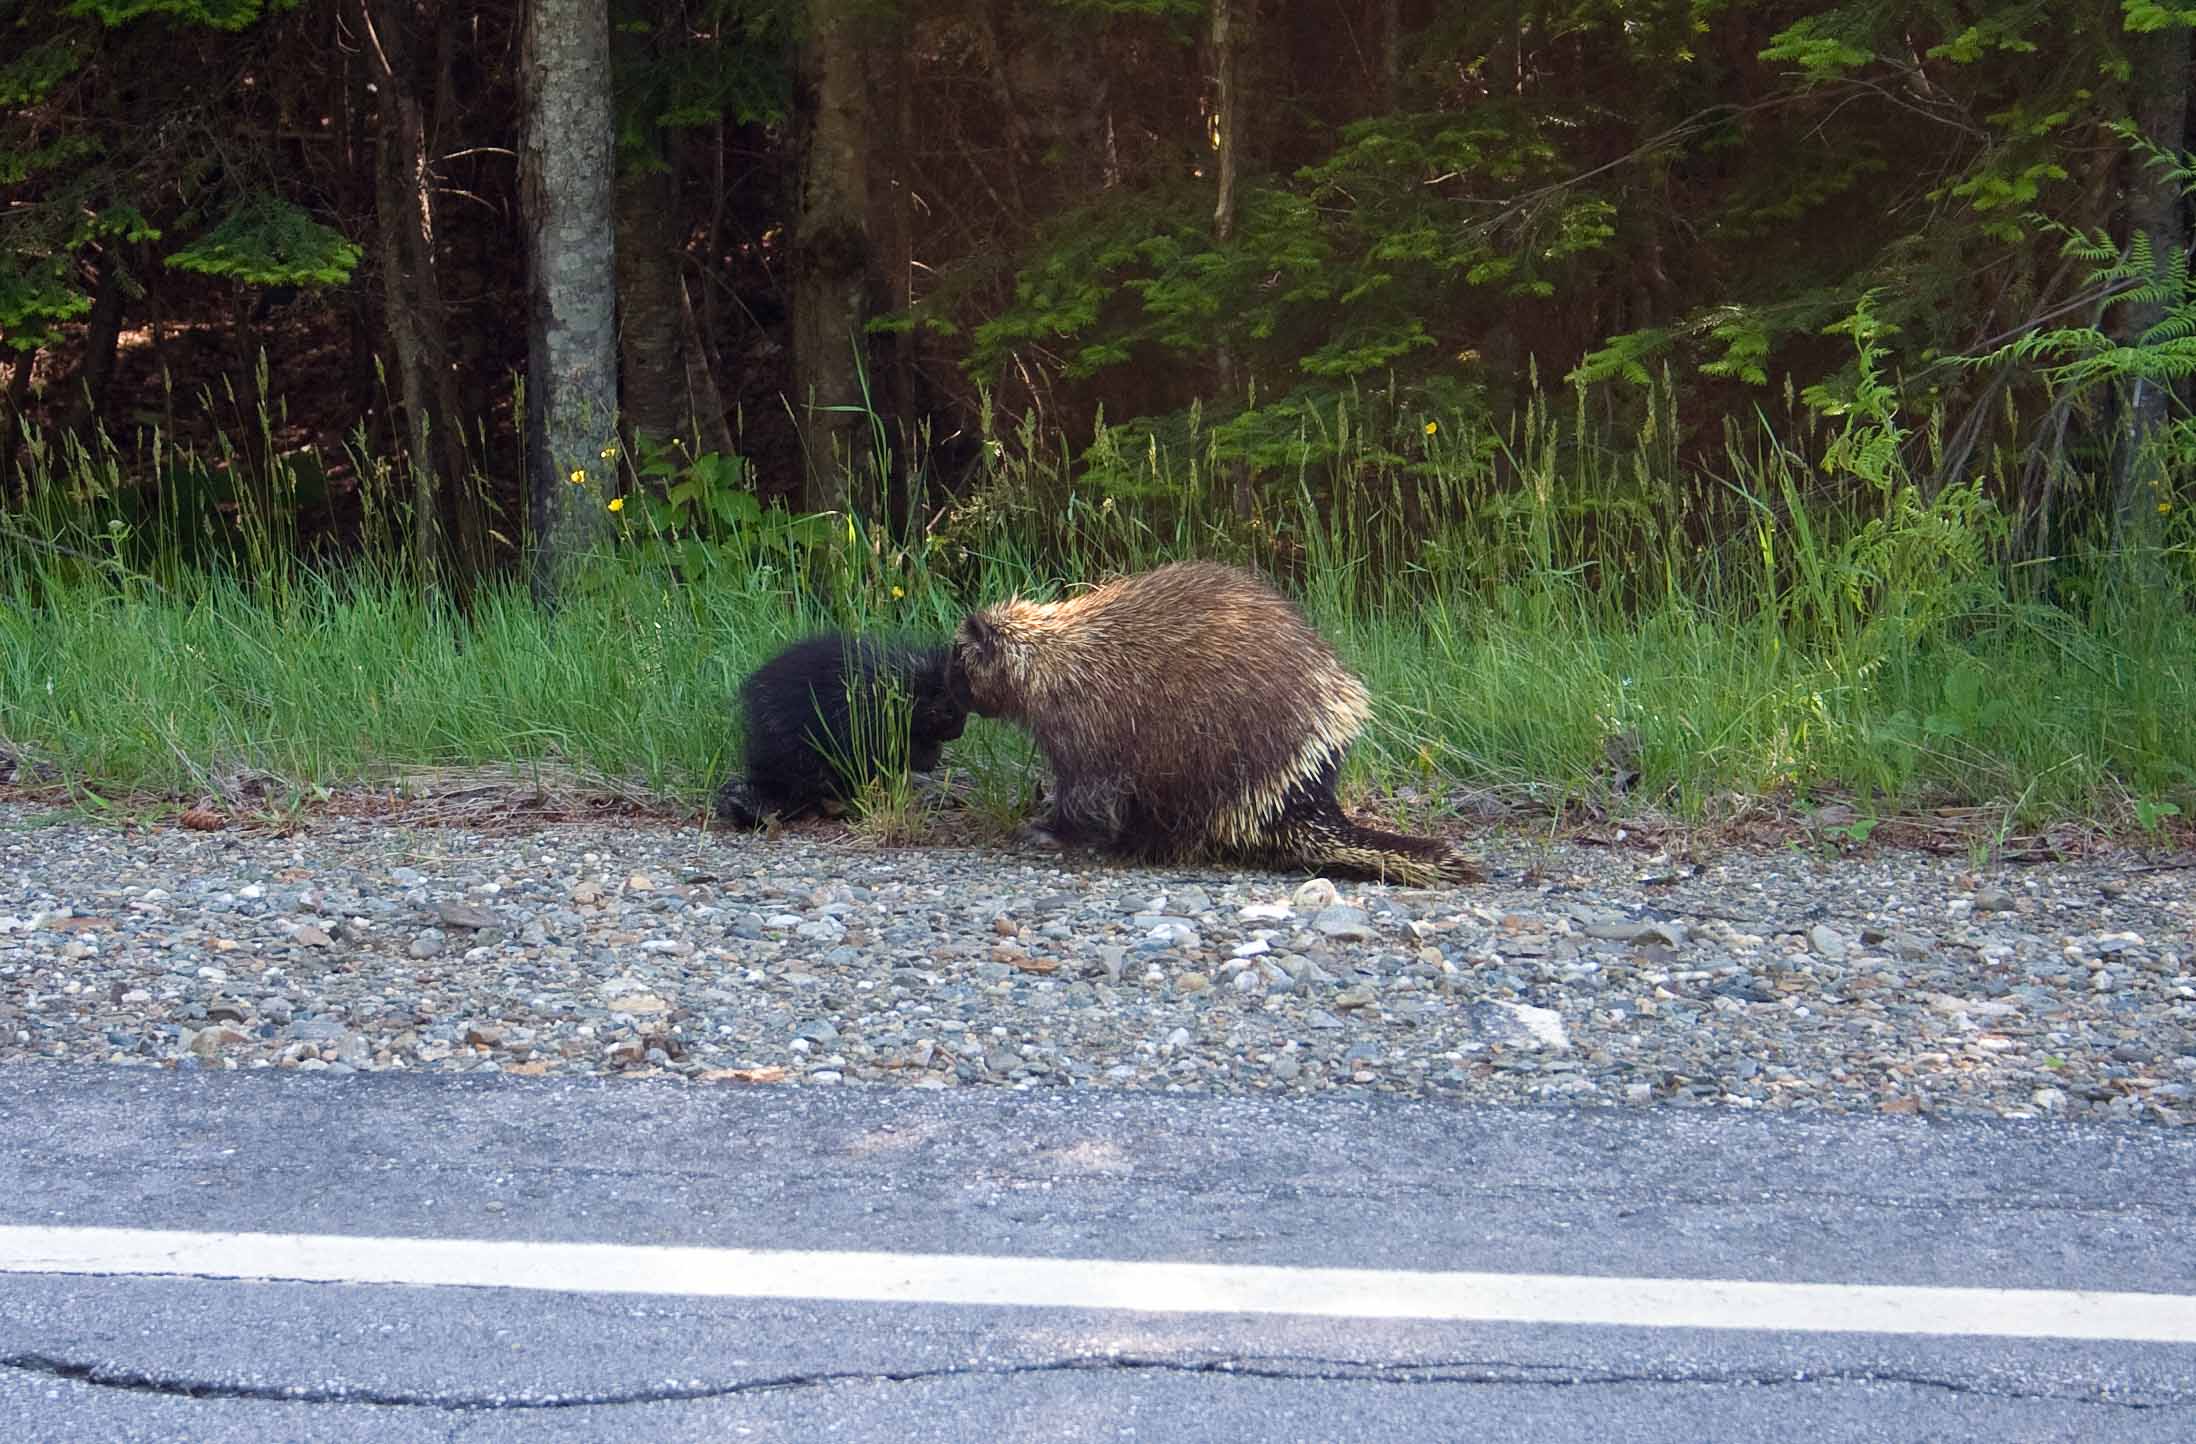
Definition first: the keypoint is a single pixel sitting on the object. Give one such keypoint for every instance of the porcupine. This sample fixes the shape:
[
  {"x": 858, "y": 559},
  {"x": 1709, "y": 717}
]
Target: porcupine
[
  {"x": 1186, "y": 712},
  {"x": 824, "y": 716}
]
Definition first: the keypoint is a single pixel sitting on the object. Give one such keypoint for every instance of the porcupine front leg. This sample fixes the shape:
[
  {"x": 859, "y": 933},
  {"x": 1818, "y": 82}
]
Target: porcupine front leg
[{"x": 1085, "y": 813}]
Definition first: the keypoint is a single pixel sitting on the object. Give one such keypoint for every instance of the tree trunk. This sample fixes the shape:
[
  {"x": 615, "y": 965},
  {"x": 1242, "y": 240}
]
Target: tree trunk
[
  {"x": 404, "y": 226},
  {"x": 2160, "y": 93},
  {"x": 11, "y": 421},
  {"x": 448, "y": 531},
  {"x": 892, "y": 200},
  {"x": 102, "y": 332},
  {"x": 1391, "y": 54},
  {"x": 651, "y": 326},
  {"x": 1226, "y": 69},
  {"x": 833, "y": 261},
  {"x": 1230, "y": 22},
  {"x": 361, "y": 157},
  {"x": 464, "y": 516},
  {"x": 571, "y": 370},
  {"x": 703, "y": 396},
  {"x": 651, "y": 319}
]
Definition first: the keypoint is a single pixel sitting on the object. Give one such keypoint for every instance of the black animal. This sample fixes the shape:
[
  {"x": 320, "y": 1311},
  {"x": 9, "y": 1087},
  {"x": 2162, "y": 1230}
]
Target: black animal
[{"x": 833, "y": 712}]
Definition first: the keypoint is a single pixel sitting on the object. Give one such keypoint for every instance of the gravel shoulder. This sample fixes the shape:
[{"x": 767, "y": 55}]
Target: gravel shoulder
[{"x": 1769, "y": 979}]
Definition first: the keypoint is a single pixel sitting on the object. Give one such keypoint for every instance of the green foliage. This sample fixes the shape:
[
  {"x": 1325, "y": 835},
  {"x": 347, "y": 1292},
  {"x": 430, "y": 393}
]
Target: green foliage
[
  {"x": 2078, "y": 358},
  {"x": 1828, "y": 45},
  {"x": 267, "y": 241},
  {"x": 34, "y": 300},
  {"x": 1629, "y": 356},
  {"x": 36, "y": 69},
  {"x": 215, "y": 14},
  {"x": 728, "y": 59},
  {"x": 1717, "y": 234},
  {"x": 60, "y": 154},
  {"x": 2145, "y": 16},
  {"x": 37, "y": 287},
  {"x": 1747, "y": 334},
  {"x": 125, "y": 158},
  {"x": 2078, "y": 361},
  {"x": 2150, "y": 814},
  {"x": 2026, "y": 87},
  {"x": 1337, "y": 273},
  {"x": 701, "y": 512}
]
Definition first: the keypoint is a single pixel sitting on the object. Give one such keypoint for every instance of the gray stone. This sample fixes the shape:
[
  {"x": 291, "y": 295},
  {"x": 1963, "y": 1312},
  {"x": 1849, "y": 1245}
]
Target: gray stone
[
  {"x": 1344, "y": 924},
  {"x": 466, "y": 915},
  {"x": 1313, "y": 895},
  {"x": 938, "y": 948},
  {"x": 1174, "y": 933}
]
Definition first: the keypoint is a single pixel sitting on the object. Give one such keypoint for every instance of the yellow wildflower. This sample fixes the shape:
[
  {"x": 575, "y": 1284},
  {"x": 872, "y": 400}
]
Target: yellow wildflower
[
  {"x": 617, "y": 503},
  {"x": 609, "y": 451},
  {"x": 579, "y": 476},
  {"x": 1432, "y": 427},
  {"x": 2164, "y": 507},
  {"x": 897, "y": 593}
]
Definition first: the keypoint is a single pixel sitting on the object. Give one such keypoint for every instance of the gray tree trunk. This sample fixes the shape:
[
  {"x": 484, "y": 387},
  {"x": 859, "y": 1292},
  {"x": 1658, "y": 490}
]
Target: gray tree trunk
[
  {"x": 834, "y": 260},
  {"x": 2160, "y": 94},
  {"x": 571, "y": 369}
]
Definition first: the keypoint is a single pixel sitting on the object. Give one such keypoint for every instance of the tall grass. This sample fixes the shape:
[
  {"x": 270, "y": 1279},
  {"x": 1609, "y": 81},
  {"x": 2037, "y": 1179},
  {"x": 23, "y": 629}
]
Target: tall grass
[{"x": 1800, "y": 619}]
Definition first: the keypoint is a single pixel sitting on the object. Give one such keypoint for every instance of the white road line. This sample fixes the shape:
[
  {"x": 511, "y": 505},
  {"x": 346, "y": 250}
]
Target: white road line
[{"x": 1179, "y": 1288}]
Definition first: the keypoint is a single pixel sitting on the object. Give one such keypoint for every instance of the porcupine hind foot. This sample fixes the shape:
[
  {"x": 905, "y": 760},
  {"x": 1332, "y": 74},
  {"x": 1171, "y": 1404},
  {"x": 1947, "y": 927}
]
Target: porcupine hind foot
[
  {"x": 1314, "y": 832},
  {"x": 1390, "y": 856}
]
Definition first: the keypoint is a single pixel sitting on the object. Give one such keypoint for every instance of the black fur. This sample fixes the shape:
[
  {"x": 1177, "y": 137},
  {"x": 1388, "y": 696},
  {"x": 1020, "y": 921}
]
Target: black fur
[{"x": 802, "y": 724}]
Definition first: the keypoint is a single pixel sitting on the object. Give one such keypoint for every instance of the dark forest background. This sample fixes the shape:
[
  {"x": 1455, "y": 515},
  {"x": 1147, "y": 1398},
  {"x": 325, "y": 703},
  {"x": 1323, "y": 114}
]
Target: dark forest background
[{"x": 857, "y": 238}]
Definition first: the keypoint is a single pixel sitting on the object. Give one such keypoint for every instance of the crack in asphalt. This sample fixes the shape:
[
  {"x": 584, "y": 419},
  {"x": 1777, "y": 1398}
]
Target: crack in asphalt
[{"x": 1286, "y": 1368}]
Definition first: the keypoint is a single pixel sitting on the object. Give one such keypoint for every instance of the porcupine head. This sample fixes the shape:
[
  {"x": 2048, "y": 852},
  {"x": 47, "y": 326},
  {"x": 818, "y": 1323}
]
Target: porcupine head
[{"x": 993, "y": 670}]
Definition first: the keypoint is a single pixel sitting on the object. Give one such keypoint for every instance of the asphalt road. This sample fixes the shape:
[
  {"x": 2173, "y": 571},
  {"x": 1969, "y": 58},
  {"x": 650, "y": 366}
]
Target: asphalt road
[{"x": 1319, "y": 1184}]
